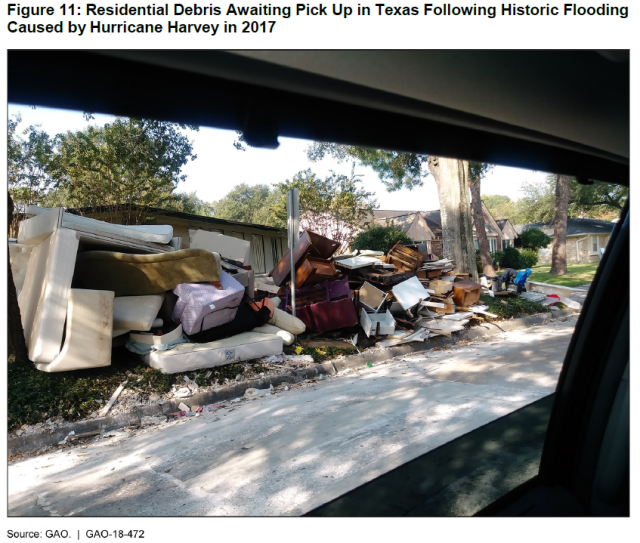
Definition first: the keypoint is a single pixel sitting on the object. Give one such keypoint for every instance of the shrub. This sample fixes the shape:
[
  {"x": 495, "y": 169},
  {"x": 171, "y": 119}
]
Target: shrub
[
  {"x": 511, "y": 259},
  {"x": 528, "y": 258},
  {"x": 380, "y": 238},
  {"x": 533, "y": 238},
  {"x": 496, "y": 258}
]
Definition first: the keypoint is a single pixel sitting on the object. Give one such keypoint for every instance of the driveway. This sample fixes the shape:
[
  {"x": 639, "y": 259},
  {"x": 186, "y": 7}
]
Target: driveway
[{"x": 287, "y": 453}]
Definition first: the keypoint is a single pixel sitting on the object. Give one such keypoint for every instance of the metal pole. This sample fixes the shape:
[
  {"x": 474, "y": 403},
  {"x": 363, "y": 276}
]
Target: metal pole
[
  {"x": 293, "y": 215},
  {"x": 293, "y": 275}
]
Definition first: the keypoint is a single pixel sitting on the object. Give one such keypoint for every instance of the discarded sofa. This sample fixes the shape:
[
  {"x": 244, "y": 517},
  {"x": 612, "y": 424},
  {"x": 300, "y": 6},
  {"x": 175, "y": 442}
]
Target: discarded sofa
[
  {"x": 87, "y": 342},
  {"x": 138, "y": 275}
]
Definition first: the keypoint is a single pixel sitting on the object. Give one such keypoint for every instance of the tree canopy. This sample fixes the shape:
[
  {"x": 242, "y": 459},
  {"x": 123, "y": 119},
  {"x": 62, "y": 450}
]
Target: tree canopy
[
  {"x": 122, "y": 166},
  {"x": 336, "y": 207},
  {"x": 250, "y": 204}
]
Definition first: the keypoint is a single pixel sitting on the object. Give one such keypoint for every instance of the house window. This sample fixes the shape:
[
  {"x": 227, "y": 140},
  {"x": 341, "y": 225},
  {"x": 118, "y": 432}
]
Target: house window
[
  {"x": 493, "y": 245},
  {"x": 238, "y": 235},
  {"x": 506, "y": 243},
  {"x": 475, "y": 245},
  {"x": 257, "y": 252},
  {"x": 593, "y": 243},
  {"x": 276, "y": 249}
]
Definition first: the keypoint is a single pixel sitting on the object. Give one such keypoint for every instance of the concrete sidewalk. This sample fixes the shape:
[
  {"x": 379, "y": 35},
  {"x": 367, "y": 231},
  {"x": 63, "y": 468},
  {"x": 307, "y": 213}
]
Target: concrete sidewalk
[{"x": 288, "y": 453}]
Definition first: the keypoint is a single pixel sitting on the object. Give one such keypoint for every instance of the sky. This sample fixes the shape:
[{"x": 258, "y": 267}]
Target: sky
[{"x": 219, "y": 166}]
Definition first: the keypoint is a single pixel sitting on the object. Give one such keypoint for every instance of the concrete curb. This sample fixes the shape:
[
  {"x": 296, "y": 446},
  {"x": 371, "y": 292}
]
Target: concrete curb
[{"x": 235, "y": 390}]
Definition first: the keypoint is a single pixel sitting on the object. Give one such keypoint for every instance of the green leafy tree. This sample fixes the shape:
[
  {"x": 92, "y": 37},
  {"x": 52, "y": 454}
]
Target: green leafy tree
[
  {"x": 250, "y": 204},
  {"x": 380, "y": 238},
  {"x": 538, "y": 203},
  {"x": 190, "y": 203},
  {"x": 29, "y": 160},
  {"x": 407, "y": 170},
  {"x": 533, "y": 238},
  {"x": 336, "y": 207},
  {"x": 122, "y": 167},
  {"x": 501, "y": 207},
  {"x": 598, "y": 201}
]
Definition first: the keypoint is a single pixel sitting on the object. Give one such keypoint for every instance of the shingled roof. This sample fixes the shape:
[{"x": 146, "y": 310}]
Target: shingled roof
[{"x": 575, "y": 227}]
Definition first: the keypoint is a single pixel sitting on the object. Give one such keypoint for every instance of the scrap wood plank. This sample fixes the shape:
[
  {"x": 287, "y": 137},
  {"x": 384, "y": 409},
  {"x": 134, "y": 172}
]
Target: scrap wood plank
[
  {"x": 433, "y": 304},
  {"x": 113, "y": 399}
]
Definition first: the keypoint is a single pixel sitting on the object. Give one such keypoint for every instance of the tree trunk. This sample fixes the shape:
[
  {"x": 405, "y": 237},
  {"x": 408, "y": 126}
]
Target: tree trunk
[
  {"x": 17, "y": 345},
  {"x": 452, "y": 179},
  {"x": 559, "y": 254},
  {"x": 478, "y": 222}
]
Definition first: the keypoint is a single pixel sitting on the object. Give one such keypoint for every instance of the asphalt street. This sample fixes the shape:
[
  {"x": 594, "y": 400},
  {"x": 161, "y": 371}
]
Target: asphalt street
[{"x": 290, "y": 452}]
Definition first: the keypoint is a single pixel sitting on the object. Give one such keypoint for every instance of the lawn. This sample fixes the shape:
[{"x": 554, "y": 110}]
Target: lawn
[{"x": 577, "y": 274}]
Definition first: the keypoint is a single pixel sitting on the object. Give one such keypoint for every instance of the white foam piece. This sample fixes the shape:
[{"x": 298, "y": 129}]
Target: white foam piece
[
  {"x": 227, "y": 246},
  {"x": 287, "y": 322},
  {"x": 195, "y": 356},
  {"x": 19, "y": 254},
  {"x": 136, "y": 312},
  {"x": 117, "y": 332},
  {"x": 287, "y": 337},
  {"x": 87, "y": 341},
  {"x": 44, "y": 296}
]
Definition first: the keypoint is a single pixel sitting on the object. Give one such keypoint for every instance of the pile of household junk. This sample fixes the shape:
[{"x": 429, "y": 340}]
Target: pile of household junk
[
  {"x": 86, "y": 285},
  {"x": 371, "y": 298}
]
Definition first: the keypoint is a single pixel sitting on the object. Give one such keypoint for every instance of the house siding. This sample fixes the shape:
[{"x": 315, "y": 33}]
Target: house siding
[{"x": 578, "y": 250}]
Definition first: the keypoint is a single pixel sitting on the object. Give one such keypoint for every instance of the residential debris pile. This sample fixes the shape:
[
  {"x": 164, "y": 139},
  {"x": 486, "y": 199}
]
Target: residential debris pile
[{"x": 87, "y": 285}]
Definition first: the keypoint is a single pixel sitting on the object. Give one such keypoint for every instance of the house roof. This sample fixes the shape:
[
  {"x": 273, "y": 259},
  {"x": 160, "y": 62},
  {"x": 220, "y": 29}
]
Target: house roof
[
  {"x": 412, "y": 224},
  {"x": 432, "y": 218},
  {"x": 575, "y": 227}
]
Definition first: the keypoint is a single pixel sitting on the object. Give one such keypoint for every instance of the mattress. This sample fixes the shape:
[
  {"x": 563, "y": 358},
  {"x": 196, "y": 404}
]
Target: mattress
[
  {"x": 195, "y": 356},
  {"x": 138, "y": 275},
  {"x": 201, "y": 306},
  {"x": 153, "y": 233}
]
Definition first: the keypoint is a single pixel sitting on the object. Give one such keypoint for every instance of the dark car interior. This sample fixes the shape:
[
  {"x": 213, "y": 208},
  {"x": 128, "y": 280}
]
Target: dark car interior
[{"x": 564, "y": 111}]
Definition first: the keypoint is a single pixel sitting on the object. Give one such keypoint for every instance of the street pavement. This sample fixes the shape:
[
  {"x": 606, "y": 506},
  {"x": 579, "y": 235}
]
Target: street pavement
[{"x": 289, "y": 452}]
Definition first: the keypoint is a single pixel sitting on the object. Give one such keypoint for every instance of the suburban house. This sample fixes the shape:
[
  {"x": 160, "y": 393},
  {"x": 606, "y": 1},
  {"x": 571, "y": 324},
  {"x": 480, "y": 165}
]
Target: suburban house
[
  {"x": 426, "y": 227},
  {"x": 586, "y": 239},
  {"x": 268, "y": 243}
]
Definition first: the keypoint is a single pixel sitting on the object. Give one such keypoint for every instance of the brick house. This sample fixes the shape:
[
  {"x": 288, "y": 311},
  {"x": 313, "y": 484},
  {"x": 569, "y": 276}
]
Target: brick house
[
  {"x": 586, "y": 239},
  {"x": 426, "y": 227}
]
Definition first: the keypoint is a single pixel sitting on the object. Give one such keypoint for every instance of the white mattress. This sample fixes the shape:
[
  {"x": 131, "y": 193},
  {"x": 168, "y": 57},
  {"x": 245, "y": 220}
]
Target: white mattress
[
  {"x": 45, "y": 294},
  {"x": 195, "y": 356},
  {"x": 160, "y": 233}
]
